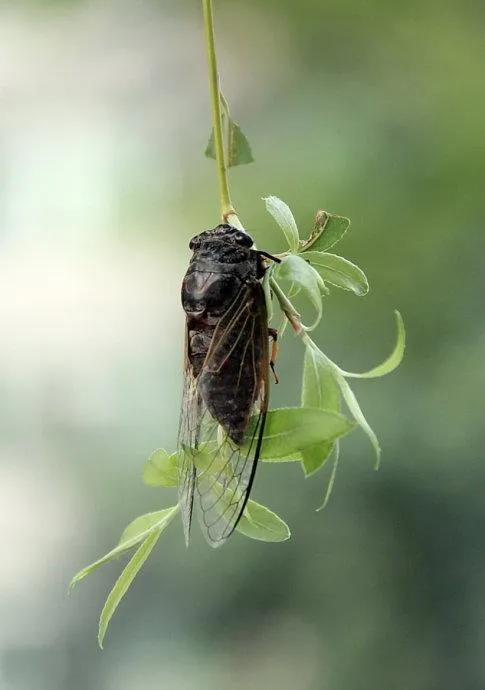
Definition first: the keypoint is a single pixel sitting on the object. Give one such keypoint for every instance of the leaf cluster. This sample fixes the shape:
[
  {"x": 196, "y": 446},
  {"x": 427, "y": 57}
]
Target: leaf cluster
[{"x": 308, "y": 268}]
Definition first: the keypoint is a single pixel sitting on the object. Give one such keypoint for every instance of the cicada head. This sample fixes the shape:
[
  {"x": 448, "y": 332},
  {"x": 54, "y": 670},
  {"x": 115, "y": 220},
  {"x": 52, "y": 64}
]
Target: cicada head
[{"x": 222, "y": 233}]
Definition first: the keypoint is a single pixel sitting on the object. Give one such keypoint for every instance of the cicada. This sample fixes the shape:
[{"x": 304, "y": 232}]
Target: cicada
[{"x": 226, "y": 379}]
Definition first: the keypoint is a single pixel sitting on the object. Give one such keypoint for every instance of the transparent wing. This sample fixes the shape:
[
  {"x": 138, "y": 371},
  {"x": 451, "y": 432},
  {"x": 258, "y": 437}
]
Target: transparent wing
[
  {"x": 188, "y": 442},
  {"x": 223, "y": 487},
  {"x": 222, "y": 419}
]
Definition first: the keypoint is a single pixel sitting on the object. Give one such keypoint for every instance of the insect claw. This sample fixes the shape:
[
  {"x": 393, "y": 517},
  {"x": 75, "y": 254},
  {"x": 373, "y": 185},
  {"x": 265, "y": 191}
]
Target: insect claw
[
  {"x": 273, "y": 334},
  {"x": 276, "y": 379}
]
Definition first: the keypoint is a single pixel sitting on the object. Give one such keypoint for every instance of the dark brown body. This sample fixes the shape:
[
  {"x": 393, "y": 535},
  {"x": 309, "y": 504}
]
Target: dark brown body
[{"x": 227, "y": 329}]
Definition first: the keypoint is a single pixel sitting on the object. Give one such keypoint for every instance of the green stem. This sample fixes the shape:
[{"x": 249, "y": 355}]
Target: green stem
[
  {"x": 225, "y": 199},
  {"x": 287, "y": 308},
  {"x": 226, "y": 120}
]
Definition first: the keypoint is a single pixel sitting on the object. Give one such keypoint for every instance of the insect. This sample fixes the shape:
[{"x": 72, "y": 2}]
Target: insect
[{"x": 225, "y": 393}]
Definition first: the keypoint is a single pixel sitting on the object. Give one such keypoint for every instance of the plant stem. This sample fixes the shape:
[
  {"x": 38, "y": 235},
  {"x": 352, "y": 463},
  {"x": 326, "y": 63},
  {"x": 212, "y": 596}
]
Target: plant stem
[
  {"x": 287, "y": 308},
  {"x": 225, "y": 199}
]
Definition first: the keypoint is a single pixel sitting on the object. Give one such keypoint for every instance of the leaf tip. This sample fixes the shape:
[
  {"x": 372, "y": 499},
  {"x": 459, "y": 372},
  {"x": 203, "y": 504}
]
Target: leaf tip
[
  {"x": 400, "y": 323},
  {"x": 377, "y": 463},
  {"x": 101, "y": 630},
  {"x": 77, "y": 578}
]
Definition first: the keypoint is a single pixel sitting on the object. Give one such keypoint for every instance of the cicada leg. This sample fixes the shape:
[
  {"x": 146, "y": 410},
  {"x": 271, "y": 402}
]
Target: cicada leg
[{"x": 273, "y": 334}]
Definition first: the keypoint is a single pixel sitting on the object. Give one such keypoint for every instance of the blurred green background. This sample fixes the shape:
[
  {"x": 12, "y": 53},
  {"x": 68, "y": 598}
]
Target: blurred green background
[{"x": 373, "y": 110}]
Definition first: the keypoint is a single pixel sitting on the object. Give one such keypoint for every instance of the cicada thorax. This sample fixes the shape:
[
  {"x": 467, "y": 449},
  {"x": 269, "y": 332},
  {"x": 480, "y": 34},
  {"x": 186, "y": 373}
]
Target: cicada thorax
[{"x": 221, "y": 292}]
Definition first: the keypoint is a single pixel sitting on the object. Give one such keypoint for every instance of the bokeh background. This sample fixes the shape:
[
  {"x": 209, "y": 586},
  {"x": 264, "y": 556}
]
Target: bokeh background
[{"x": 373, "y": 110}]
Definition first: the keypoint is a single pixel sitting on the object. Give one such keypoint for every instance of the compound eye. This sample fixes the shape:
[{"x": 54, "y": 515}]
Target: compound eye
[
  {"x": 194, "y": 242},
  {"x": 243, "y": 239}
]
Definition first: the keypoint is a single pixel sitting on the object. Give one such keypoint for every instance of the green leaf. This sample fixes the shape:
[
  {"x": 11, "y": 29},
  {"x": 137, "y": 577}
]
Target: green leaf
[
  {"x": 283, "y": 216},
  {"x": 292, "y": 457},
  {"x": 339, "y": 271},
  {"x": 141, "y": 526},
  {"x": 351, "y": 401},
  {"x": 314, "y": 457},
  {"x": 161, "y": 469},
  {"x": 394, "y": 359},
  {"x": 207, "y": 457},
  {"x": 136, "y": 531},
  {"x": 210, "y": 151},
  {"x": 259, "y": 522},
  {"x": 331, "y": 481},
  {"x": 329, "y": 229},
  {"x": 358, "y": 415},
  {"x": 319, "y": 388},
  {"x": 238, "y": 149},
  {"x": 288, "y": 430},
  {"x": 124, "y": 581},
  {"x": 293, "y": 269}
]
